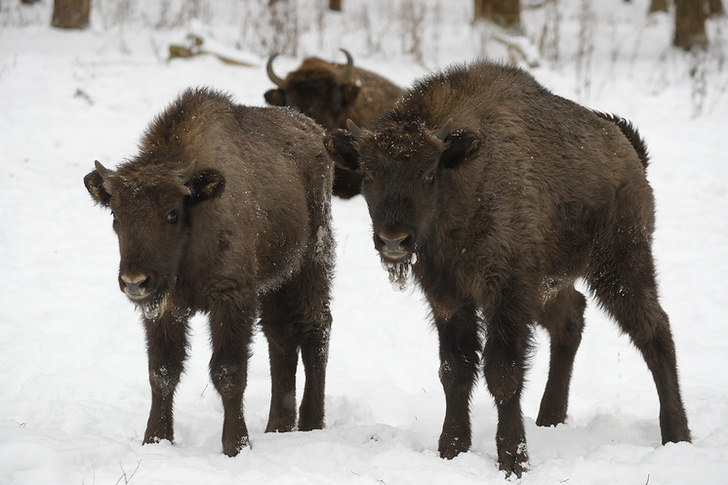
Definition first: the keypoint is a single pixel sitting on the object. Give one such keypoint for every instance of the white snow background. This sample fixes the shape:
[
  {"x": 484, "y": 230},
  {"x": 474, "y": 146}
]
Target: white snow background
[{"x": 74, "y": 394}]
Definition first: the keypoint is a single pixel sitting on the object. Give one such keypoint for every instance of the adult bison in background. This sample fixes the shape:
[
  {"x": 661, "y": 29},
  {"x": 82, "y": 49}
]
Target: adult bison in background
[
  {"x": 497, "y": 195},
  {"x": 331, "y": 94},
  {"x": 226, "y": 210}
]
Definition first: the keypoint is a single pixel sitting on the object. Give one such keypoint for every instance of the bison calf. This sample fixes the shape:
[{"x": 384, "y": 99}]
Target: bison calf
[
  {"x": 226, "y": 210},
  {"x": 331, "y": 93},
  {"x": 497, "y": 195}
]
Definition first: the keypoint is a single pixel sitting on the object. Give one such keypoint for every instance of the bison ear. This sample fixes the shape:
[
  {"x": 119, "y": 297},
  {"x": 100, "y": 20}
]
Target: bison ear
[
  {"x": 349, "y": 93},
  {"x": 461, "y": 144},
  {"x": 95, "y": 181},
  {"x": 339, "y": 145},
  {"x": 206, "y": 185},
  {"x": 275, "y": 97}
]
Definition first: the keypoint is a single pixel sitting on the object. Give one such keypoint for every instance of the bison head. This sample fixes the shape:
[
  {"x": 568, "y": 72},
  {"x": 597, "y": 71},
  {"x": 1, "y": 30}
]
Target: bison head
[
  {"x": 151, "y": 213},
  {"x": 318, "y": 89},
  {"x": 405, "y": 166}
]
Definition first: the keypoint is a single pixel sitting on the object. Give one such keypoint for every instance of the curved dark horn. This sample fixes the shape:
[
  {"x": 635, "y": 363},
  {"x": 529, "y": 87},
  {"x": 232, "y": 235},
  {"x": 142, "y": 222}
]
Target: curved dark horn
[
  {"x": 443, "y": 132},
  {"x": 355, "y": 131},
  {"x": 348, "y": 69},
  {"x": 186, "y": 174},
  {"x": 271, "y": 75}
]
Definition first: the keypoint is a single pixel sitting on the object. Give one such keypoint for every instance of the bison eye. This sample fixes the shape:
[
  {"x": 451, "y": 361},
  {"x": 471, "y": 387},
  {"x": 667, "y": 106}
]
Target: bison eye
[
  {"x": 430, "y": 178},
  {"x": 172, "y": 217},
  {"x": 366, "y": 177}
]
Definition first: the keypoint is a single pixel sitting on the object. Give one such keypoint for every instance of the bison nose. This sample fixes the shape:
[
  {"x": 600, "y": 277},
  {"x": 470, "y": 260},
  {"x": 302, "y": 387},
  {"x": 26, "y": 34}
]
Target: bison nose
[
  {"x": 134, "y": 285},
  {"x": 393, "y": 244}
]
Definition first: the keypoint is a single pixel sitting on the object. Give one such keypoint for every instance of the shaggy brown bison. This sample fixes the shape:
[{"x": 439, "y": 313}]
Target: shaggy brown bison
[
  {"x": 497, "y": 195},
  {"x": 331, "y": 93},
  {"x": 226, "y": 210}
]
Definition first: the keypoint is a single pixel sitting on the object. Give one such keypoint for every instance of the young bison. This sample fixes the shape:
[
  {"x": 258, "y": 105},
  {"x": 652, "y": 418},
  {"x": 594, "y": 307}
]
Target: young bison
[
  {"x": 497, "y": 195},
  {"x": 331, "y": 93},
  {"x": 226, "y": 210}
]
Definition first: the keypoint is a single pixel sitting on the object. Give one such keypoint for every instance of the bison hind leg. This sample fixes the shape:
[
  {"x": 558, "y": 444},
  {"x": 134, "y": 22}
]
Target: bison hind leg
[
  {"x": 297, "y": 316},
  {"x": 283, "y": 358},
  {"x": 563, "y": 316},
  {"x": 314, "y": 329},
  {"x": 624, "y": 283},
  {"x": 314, "y": 353}
]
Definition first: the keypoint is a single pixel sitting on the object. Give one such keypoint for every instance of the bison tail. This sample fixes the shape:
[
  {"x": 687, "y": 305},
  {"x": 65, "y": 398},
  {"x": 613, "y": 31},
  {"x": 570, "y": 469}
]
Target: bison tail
[{"x": 630, "y": 131}]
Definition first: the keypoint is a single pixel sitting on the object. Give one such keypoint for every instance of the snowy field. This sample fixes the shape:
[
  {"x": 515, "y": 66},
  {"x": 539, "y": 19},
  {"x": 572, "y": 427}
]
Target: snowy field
[{"x": 74, "y": 395}]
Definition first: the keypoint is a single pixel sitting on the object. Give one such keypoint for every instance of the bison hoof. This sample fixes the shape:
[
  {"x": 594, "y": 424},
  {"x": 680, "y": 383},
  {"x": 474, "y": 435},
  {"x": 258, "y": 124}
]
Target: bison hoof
[
  {"x": 547, "y": 420},
  {"x": 675, "y": 428},
  {"x": 151, "y": 438},
  {"x": 450, "y": 447},
  {"x": 233, "y": 448},
  {"x": 514, "y": 468},
  {"x": 282, "y": 427},
  {"x": 513, "y": 463}
]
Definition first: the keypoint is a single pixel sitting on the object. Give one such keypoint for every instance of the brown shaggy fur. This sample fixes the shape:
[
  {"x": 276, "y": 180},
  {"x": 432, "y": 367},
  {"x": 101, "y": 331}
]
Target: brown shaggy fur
[
  {"x": 226, "y": 210},
  {"x": 506, "y": 194},
  {"x": 315, "y": 89}
]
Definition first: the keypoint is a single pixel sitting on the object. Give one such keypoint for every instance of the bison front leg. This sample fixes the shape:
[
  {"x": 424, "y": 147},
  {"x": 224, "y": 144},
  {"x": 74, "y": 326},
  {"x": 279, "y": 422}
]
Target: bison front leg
[
  {"x": 166, "y": 350},
  {"x": 459, "y": 360},
  {"x": 231, "y": 336},
  {"x": 504, "y": 357}
]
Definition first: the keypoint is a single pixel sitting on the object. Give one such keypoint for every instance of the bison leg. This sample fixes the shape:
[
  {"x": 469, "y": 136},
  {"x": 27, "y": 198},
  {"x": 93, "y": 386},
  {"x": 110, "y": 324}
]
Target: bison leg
[
  {"x": 625, "y": 285},
  {"x": 563, "y": 317},
  {"x": 315, "y": 356},
  {"x": 313, "y": 327},
  {"x": 231, "y": 336},
  {"x": 283, "y": 356},
  {"x": 504, "y": 359},
  {"x": 166, "y": 351},
  {"x": 460, "y": 346},
  {"x": 298, "y": 316}
]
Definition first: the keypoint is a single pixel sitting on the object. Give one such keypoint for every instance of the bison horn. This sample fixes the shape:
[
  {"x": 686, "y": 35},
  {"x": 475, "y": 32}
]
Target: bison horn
[
  {"x": 355, "y": 131},
  {"x": 443, "y": 132},
  {"x": 271, "y": 75},
  {"x": 103, "y": 171},
  {"x": 186, "y": 174},
  {"x": 348, "y": 69},
  {"x": 105, "y": 174}
]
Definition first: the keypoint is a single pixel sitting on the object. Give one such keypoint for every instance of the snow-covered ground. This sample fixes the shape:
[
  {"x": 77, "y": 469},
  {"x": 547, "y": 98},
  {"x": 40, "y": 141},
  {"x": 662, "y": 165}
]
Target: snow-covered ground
[{"x": 74, "y": 395}]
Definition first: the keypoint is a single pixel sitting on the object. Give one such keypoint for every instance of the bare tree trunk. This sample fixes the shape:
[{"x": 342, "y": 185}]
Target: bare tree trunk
[
  {"x": 690, "y": 24},
  {"x": 284, "y": 22},
  {"x": 506, "y": 13},
  {"x": 715, "y": 8},
  {"x": 71, "y": 14},
  {"x": 658, "y": 6},
  {"x": 481, "y": 10},
  {"x": 335, "y": 5}
]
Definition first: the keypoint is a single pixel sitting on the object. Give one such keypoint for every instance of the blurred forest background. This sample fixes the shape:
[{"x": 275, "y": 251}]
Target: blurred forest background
[
  {"x": 588, "y": 38},
  {"x": 283, "y": 16}
]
